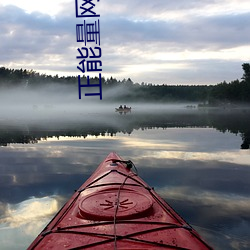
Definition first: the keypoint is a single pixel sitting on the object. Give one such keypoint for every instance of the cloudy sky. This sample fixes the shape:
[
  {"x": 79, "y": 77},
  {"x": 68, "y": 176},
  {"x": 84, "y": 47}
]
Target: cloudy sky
[{"x": 160, "y": 41}]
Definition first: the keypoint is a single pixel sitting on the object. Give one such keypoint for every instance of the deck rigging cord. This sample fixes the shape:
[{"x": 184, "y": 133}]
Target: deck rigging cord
[{"x": 129, "y": 165}]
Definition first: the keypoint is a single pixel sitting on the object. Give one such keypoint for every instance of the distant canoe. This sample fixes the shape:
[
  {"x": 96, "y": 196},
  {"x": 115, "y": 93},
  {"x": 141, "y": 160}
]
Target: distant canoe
[{"x": 125, "y": 110}]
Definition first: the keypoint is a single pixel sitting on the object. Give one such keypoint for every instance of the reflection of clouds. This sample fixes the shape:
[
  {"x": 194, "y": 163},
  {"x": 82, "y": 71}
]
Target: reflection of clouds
[
  {"x": 224, "y": 218},
  {"x": 22, "y": 222},
  {"x": 79, "y": 138},
  {"x": 228, "y": 203},
  {"x": 203, "y": 176},
  {"x": 156, "y": 140},
  {"x": 146, "y": 144},
  {"x": 29, "y": 213},
  {"x": 188, "y": 143},
  {"x": 2, "y": 209},
  {"x": 185, "y": 139},
  {"x": 236, "y": 156},
  {"x": 228, "y": 239}
]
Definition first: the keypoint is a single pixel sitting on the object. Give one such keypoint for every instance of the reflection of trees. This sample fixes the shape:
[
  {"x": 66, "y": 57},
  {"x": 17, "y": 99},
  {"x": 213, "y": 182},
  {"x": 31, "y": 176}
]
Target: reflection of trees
[
  {"x": 246, "y": 141},
  {"x": 237, "y": 122},
  {"x": 233, "y": 121},
  {"x": 16, "y": 137}
]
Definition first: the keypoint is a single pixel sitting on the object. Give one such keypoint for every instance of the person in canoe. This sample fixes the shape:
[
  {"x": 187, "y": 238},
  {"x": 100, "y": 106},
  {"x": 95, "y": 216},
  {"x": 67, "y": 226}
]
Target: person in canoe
[
  {"x": 126, "y": 109},
  {"x": 123, "y": 109}
]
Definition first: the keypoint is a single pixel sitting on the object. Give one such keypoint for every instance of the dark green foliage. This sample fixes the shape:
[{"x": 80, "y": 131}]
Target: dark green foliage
[
  {"x": 233, "y": 92},
  {"x": 220, "y": 94},
  {"x": 246, "y": 69}
]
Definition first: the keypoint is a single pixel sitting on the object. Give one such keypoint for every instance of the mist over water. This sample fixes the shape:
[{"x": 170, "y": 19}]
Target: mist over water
[
  {"x": 60, "y": 102},
  {"x": 57, "y": 108},
  {"x": 44, "y": 102}
]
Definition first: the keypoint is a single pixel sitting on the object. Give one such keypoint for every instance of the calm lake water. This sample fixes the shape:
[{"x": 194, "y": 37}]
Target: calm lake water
[{"x": 197, "y": 160}]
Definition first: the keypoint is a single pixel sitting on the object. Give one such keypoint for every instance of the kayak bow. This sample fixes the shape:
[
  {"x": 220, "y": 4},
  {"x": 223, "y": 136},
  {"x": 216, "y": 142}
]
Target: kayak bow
[{"x": 116, "y": 209}]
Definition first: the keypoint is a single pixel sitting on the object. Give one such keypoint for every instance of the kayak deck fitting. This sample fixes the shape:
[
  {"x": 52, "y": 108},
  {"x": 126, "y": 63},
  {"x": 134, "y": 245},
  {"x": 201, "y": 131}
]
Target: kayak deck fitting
[{"x": 116, "y": 209}]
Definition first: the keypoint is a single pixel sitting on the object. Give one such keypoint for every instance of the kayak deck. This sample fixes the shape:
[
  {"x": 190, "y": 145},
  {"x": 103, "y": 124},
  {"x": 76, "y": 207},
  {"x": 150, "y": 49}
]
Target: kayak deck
[{"x": 116, "y": 209}]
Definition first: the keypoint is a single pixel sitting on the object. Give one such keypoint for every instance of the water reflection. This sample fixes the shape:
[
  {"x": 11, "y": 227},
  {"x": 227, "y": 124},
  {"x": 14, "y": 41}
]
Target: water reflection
[
  {"x": 106, "y": 122},
  {"x": 31, "y": 210},
  {"x": 20, "y": 222},
  {"x": 195, "y": 166}
]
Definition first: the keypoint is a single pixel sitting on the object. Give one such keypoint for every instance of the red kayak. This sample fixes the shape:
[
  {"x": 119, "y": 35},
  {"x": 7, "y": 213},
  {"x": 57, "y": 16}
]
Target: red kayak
[{"x": 116, "y": 209}]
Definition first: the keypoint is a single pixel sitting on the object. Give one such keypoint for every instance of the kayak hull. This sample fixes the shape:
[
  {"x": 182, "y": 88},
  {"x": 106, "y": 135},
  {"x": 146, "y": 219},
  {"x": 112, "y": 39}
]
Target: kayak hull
[{"x": 116, "y": 209}]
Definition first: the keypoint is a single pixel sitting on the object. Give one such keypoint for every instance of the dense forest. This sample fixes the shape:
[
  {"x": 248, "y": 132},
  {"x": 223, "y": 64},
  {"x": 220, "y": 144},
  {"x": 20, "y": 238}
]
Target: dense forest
[{"x": 234, "y": 92}]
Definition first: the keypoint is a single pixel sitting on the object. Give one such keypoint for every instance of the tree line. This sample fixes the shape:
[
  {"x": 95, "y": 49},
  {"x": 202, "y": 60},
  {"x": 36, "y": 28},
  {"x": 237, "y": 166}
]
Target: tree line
[{"x": 236, "y": 91}]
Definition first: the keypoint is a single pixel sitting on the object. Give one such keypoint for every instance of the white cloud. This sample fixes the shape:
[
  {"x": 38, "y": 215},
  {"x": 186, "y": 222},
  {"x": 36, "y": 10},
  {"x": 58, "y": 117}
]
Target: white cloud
[
  {"x": 45, "y": 6},
  {"x": 157, "y": 41}
]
